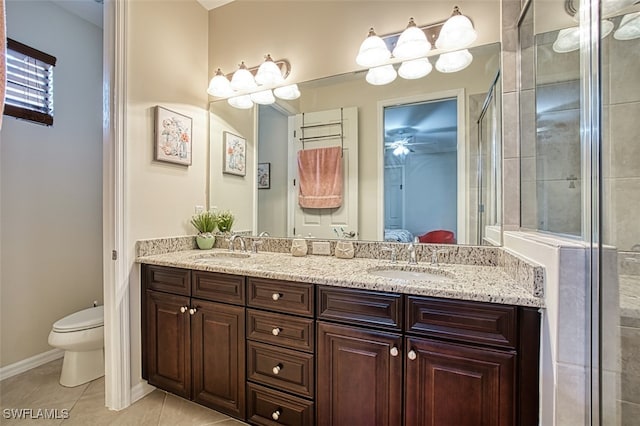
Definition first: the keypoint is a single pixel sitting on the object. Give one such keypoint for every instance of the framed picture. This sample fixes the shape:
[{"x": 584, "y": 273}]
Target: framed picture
[
  {"x": 172, "y": 137},
  {"x": 234, "y": 155},
  {"x": 264, "y": 175}
]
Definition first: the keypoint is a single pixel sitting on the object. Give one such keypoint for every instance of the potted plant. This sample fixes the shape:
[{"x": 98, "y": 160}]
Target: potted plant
[
  {"x": 225, "y": 221},
  {"x": 205, "y": 223}
]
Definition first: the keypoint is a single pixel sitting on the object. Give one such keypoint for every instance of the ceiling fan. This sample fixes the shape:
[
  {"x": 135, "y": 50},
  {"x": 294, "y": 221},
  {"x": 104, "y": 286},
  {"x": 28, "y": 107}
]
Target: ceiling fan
[{"x": 399, "y": 147}]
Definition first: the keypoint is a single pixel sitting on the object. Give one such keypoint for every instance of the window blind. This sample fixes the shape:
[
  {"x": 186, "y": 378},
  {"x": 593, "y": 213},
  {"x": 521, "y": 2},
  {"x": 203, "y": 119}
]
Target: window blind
[{"x": 29, "y": 91}]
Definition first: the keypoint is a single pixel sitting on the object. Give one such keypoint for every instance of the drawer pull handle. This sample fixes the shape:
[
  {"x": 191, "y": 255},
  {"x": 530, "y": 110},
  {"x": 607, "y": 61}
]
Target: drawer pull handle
[
  {"x": 276, "y": 296},
  {"x": 276, "y": 369},
  {"x": 412, "y": 355},
  {"x": 183, "y": 309},
  {"x": 193, "y": 311},
  {"x": 394, "y": 351},
  {"x": 276, "y": 331},
  {"x": 276, "y": 414}
]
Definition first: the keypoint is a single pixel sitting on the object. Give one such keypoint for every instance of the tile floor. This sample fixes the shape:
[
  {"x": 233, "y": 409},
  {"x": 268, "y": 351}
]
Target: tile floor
[{"x": 39, "y": 389}]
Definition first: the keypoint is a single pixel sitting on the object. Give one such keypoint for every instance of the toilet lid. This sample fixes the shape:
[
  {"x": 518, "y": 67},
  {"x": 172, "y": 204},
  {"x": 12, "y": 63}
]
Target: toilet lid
[{"x": 82, "y": 320}]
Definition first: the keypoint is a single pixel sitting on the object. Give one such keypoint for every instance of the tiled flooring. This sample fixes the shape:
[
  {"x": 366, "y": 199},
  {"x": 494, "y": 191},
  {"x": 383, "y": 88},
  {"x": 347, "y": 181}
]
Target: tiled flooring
[{"x": 39, "y": 389}]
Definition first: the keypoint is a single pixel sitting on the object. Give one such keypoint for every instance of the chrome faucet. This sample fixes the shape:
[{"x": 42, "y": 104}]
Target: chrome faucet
[
  {"x": 255, "y": 244},
  {"x": 264, "y": 234},
  {"x": 411, "y": 248},
  {"x": 434, "y": 255},
  {"x": 232, "y": 240},
  {"x": 394, "y": 254}
]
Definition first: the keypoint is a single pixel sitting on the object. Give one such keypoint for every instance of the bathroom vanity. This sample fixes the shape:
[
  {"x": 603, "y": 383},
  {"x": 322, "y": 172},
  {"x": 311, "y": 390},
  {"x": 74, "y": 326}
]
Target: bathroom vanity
[{"x": 275, "y": 340}]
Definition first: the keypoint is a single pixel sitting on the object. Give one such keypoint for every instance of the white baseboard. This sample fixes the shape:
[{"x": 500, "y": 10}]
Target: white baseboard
[
  {"x": 29, "y": 363},
  {"x": 141, "y": 390}
]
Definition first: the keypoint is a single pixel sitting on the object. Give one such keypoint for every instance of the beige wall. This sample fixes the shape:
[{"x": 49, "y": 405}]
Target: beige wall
[
  {"x": 51, "y": 186},
  {"x": 321, "y": 38},
  {"x": 166, "y": 65}
]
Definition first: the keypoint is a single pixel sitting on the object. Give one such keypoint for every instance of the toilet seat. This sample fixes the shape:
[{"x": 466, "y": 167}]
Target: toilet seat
[{"x": 81, "y": 320}]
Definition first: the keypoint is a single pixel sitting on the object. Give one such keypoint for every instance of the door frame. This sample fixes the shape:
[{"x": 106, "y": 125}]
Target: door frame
[
  {"x": 117, "y": 349},
  {"x": 402, "y": 178},
  {"x": 459, "y": 94}
]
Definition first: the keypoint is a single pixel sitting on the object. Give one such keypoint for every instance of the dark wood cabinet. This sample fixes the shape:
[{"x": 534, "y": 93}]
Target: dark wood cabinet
[
  {"x": 304, "y": 354},
  {"x": 359, "y": 376},
  {"x": 449, "y": 384},
  {"x": 218, "y": 351},
  {"x": 194, "y": 348},
  {"x": 168, "y": 338}
]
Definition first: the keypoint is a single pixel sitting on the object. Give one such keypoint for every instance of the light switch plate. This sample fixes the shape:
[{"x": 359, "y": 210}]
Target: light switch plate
[{"x": 321, "y": 247}]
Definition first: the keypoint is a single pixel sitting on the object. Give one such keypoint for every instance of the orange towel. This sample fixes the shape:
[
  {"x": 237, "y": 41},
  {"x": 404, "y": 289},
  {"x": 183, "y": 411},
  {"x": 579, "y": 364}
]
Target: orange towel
[{"x": 320, "y": 175}]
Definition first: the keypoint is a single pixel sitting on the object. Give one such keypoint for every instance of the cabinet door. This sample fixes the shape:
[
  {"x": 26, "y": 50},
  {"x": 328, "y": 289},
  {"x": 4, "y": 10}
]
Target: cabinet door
[
  {"x": 449, "y": 384},
  {"x": 168, "y": 343},
  {"x": 359, "y": 376},
  {"x": 218, "y": 346}
]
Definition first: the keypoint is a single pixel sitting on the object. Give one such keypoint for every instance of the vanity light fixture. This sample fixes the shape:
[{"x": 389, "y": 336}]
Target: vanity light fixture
[
  {"x": 411, "y": 47},
  {"x": 242, "y": 89}
]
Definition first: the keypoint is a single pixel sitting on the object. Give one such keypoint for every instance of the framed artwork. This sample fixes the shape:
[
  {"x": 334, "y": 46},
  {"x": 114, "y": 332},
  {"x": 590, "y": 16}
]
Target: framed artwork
[
  {"x": 234, "y": 155},
  {"x": 264, "y": 175},
  {"x": 173, "y": 133}
]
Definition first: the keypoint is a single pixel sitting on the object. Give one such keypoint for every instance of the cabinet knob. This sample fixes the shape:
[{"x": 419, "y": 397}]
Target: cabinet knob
[
  {"x": 193, "y": 311},
  {"x": 183, "y": 309},
  {"x": 276, "y": 331},
  {"x": 394, "y": 351},
  {"x": 276, "y": 414},
  {"x": 277, "y": 369},
  {"x": 412, "y": 355},
  {"x": 276, "y": 296}
]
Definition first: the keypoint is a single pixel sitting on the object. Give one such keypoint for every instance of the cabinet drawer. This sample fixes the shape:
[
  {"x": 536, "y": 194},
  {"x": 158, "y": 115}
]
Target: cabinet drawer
[
  {"x": 281, "y": 368},
  {"x": 473, "y": 322},
  {"x": 279, "y": 329},
  {"x": 356, "y": 306},
  {"x": 169, "y": 280},
  {"x": 217, "y": 287},
  {"x": 269, "y": 407},
  {"x": 281, "y": 296}
]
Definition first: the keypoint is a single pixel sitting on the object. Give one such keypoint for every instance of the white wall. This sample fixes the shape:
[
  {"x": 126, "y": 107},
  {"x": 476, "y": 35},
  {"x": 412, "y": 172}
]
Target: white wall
[
  {"x": 51, "y": 186},
  {"x": 166, "y": 65}
]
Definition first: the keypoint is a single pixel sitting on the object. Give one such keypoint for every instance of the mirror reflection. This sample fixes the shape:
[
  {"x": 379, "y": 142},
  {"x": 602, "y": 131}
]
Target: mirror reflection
[{"x": 445, "y": 129}]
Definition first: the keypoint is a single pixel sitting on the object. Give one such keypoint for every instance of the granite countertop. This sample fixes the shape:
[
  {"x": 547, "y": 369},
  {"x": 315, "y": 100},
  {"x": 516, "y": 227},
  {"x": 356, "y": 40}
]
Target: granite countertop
[{"x": 456, "y": 281}]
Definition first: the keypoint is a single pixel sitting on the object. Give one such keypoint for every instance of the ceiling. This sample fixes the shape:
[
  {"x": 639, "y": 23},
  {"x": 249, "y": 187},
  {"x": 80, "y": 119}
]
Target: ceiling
[{"x": 91, "y": 10}]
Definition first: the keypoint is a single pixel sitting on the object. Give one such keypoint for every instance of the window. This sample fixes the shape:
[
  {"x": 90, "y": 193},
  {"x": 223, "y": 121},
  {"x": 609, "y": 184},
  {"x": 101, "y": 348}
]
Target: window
[{"x": 29, "y": 92}]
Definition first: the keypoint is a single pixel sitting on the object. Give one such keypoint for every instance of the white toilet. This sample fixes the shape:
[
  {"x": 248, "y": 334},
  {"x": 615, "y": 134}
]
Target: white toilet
[{"x": 81, "y": 335}]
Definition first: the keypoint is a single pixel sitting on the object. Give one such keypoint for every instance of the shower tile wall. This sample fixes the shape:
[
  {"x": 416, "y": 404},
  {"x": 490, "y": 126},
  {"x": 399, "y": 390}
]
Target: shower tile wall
[{"x": 621, "y": 205}]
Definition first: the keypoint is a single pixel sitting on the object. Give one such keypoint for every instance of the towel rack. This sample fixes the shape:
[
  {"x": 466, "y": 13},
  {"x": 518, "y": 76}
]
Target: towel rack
[{"x": 328, "y": 124}]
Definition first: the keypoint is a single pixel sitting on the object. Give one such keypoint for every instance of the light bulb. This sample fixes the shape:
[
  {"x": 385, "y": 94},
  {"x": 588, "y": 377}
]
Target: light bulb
[
  {"x": 457, "y": 32},
  {"x": 242, "y": 79},
  {"x": 373, "y": 51},
  {"x": 269, "y": 73},
  {"x": 454, "y": 61},
  {"x": 379, "y": 76},
  {"x": 264, "y": 97},
  {"x": 220, "y": 85},
  {"x": 416, "y": 68},
  {"x": 241, "y": 102},
  {"x": 287, "y": 93},
  {"x": 412, "y": 43}
]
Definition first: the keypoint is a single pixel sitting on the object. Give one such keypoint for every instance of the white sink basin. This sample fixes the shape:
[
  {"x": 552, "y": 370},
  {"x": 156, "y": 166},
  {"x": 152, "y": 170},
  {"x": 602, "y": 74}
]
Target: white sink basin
[{"x": 411, "y": 273}]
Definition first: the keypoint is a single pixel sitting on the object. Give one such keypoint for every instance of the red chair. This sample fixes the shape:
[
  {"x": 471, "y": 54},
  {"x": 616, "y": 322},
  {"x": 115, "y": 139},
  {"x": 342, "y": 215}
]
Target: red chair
[{"x": 439, "y": 236}]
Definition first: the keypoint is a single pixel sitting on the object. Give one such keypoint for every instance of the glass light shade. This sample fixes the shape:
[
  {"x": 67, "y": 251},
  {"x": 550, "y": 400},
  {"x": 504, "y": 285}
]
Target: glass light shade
[
  {"x": 373, "y": 51},
  {"x": 379, "y": 76},
  {"x": 629, "y": 28},
  {"x": 412, "y": 43},
  {"x": 456, "y": 33},
  {"x": 568, "y": 39},
  {"x": 264, "y": 97},
  {"x": 269, "y": 73},
  {"x": 241, "y": 102},
  {"x": 416, "y": 68},
  {"x": 454, "y": 61},
  {"x": 220, "y": 85},
  {"x": 242, "y": 79},
  {"x": 287, "y": 93}
]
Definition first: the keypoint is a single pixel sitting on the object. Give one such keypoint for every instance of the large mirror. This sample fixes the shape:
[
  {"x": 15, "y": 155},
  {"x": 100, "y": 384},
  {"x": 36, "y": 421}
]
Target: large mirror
[{"x": 417, "y": 156}]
